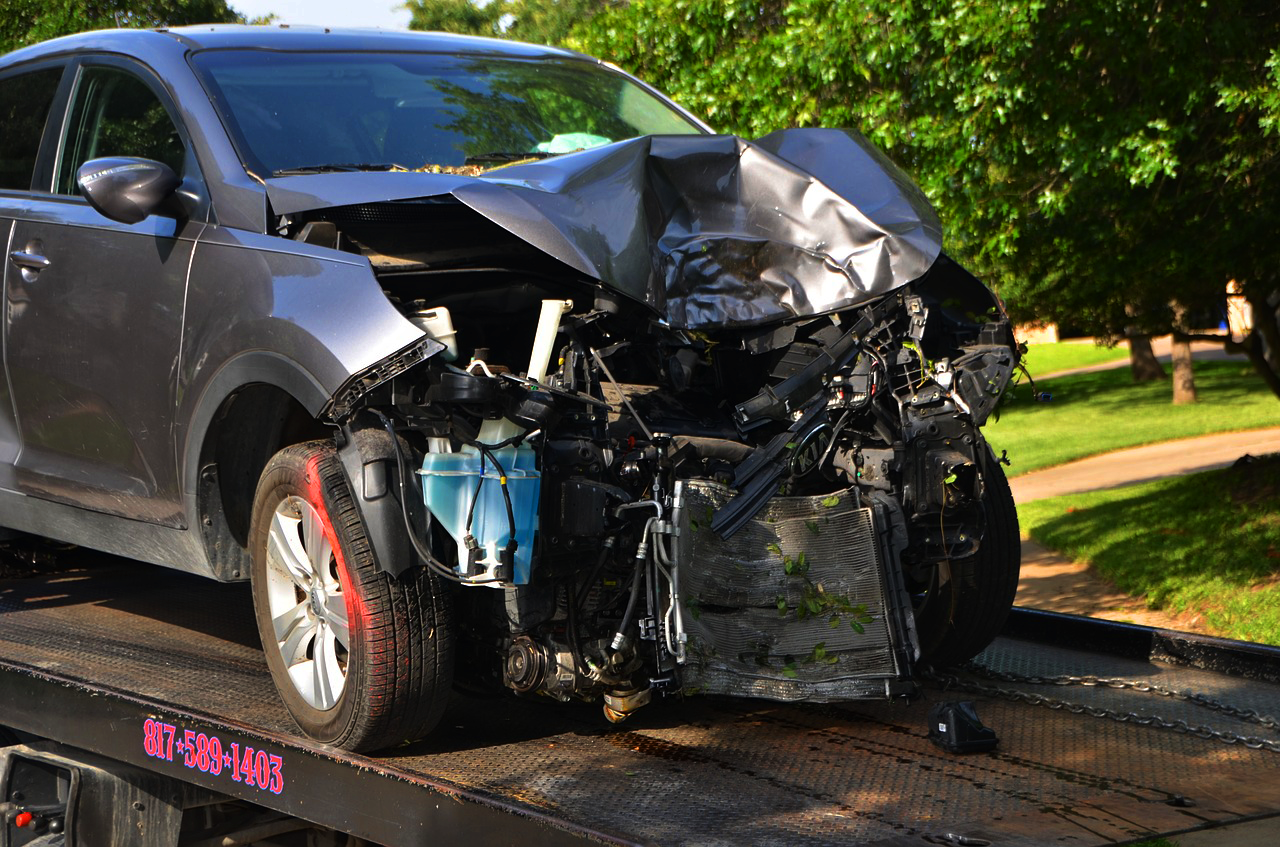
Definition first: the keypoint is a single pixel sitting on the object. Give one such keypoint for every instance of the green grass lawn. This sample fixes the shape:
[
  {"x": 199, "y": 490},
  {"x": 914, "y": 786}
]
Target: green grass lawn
[
  {"x": 1064, "y": 355},
  {"x": 1207, "y": 543},
  {"x": 1098, "y": 412}
]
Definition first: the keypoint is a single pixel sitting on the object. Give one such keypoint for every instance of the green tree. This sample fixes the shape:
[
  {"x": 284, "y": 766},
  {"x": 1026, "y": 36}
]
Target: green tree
[
  {"x": 535, "y": 21},
  {"x": 1138, "y": 141},
  {"x": 25, "y": 22},
  {"x": 458, "y": 16}
]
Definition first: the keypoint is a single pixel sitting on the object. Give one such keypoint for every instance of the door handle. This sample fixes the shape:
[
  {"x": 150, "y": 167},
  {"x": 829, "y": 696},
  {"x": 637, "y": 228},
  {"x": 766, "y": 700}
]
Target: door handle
[{"x": 29, "y": 261}]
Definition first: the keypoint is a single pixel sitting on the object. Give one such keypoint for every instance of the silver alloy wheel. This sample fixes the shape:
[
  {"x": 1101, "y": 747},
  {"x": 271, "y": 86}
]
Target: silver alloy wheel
[{"x": 308, "y": 608}]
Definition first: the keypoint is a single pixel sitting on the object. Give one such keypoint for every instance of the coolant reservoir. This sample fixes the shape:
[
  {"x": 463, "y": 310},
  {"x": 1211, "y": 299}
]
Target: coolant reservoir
[
  {"x": 466, "y": 483},
  {"x": 438, "y": 324},
  {"x": 452, "y": 481}
]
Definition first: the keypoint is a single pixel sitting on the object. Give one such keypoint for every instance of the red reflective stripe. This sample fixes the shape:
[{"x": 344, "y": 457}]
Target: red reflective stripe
[{"x": 355, "y": 605}]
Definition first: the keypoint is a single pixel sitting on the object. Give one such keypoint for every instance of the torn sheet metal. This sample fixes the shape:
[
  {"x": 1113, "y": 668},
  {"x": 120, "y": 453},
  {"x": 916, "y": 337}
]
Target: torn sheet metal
[{"x": 710, "y": 231}]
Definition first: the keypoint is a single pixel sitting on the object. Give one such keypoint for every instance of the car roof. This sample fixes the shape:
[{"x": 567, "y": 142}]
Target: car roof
[{"x": 139, "y": 42}]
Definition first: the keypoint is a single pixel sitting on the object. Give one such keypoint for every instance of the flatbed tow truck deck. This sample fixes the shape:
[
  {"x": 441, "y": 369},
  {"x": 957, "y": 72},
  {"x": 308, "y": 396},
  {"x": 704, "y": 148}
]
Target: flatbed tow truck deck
[{"x": 152, "y": 667}]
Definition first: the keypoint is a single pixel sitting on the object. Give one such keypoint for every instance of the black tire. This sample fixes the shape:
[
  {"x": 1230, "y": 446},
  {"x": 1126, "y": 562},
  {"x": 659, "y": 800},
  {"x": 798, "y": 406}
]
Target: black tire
[
  {"x": 391, "y": 681},
  {"x": 968, "y": 600}
]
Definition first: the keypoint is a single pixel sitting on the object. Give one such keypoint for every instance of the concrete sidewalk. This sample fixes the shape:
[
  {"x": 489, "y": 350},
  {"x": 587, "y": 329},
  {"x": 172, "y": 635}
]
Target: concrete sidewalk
[
  {"x": 1052, "y": 582},
  {"x": 1143, "y": 464}
]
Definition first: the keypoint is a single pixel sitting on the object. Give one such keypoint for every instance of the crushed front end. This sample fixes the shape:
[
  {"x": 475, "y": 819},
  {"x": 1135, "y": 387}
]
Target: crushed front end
[{"x": 728, "y": 463}]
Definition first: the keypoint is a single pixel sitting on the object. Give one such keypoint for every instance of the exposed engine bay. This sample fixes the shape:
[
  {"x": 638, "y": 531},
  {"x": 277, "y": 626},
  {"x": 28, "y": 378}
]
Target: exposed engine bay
[
  {"x": 737, "y": 512},
  {"x": 752, "y": 483}
]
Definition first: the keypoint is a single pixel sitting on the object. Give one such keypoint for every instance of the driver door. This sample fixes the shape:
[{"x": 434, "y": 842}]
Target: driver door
[{"x": 96, "y": 310}]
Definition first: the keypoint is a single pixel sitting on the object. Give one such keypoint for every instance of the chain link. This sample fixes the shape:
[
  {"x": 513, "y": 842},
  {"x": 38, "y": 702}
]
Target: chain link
[
  {"x": 1179, "y": 726},
  {"x": 1247, "y": 715}
]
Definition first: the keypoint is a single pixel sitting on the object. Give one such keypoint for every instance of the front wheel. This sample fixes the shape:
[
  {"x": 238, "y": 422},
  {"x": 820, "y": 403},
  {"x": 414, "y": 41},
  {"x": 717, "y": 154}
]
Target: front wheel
[
  {"x": 968, "y": 600},
  {"x": 362, "y": 660}
]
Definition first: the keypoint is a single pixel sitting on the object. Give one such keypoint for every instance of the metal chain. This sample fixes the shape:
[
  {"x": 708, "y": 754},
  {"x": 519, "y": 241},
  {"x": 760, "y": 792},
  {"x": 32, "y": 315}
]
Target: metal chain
[
  {"x": 1248, "y": 715},
  {"x": 1179, "y": 726}
]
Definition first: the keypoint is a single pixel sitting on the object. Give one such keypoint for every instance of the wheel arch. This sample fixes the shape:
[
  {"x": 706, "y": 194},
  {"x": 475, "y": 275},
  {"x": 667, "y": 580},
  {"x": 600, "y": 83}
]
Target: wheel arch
[{"x": 256, "y": 405}]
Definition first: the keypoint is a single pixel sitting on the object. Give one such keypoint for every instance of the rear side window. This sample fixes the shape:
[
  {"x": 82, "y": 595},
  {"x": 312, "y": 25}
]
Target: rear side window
[{"x": 24, "y": 105}]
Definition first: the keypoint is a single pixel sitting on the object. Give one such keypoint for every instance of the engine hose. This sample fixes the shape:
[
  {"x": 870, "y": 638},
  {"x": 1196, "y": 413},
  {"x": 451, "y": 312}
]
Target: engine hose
[
  {"x": 512, "y": 544},
  {"x": 621, "y": 634},
  {"x": 605, "y": 549},
  {"x": 831, "y": 446},
  {"x": 506, "y": 494},
  {"x": 475, "y": 498}
]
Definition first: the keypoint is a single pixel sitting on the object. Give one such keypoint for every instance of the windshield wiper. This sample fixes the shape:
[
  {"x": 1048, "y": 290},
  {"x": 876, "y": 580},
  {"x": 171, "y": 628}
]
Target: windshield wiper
[
  {"x": 506, "y": 156},
  {"x": 340, "y": 168}
]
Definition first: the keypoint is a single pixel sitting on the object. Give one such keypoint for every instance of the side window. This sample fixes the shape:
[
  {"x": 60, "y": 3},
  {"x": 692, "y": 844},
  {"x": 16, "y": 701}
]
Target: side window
[
  {"x": 114, "y": 113},
  {"x": 24, "y": 105}
]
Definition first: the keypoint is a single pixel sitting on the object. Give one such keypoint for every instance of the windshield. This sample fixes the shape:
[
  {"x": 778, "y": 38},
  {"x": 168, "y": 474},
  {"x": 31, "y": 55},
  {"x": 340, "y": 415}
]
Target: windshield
[{"x": 299, "y": 112}]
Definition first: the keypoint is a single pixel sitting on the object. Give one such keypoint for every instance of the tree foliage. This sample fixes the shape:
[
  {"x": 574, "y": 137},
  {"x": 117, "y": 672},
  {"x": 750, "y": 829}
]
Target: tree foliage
[
  {"x": 24, "y": 22},
  {"x": 535, "y": 21}
]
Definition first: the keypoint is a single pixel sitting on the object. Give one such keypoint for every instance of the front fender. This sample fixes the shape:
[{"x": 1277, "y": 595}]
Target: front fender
[
  {"x": 307, "y": 320},
  {"x": 319, "y": 308}
]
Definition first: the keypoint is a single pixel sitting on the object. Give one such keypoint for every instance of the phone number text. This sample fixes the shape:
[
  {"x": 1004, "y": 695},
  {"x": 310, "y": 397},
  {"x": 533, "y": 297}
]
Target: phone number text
[{"x": 207, "y": 754}]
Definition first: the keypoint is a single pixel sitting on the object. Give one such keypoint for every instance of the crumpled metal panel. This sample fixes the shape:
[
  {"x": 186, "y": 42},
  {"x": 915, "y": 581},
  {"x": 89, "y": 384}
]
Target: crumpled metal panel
[
  {"x": 739, "y": 641},
  {"x": 708, "y": 230}
]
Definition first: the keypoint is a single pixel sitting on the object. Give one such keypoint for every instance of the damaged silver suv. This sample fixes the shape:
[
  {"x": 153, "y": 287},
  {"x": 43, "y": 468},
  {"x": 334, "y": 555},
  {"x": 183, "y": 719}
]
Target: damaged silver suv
[{"x": 488, "y": 364}]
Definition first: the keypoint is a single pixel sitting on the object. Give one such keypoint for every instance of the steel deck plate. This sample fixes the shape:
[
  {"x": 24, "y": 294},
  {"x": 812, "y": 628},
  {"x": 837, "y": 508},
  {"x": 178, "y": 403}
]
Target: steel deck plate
[{"x": 707, "y": 771}]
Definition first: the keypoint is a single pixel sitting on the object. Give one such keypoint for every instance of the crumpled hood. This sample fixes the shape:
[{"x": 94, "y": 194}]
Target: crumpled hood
[{"x": 709, "y": 230}]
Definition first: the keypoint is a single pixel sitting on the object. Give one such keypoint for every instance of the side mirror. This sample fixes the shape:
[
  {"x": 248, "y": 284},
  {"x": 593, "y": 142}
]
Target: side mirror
[{"x": 126, "y": 189}]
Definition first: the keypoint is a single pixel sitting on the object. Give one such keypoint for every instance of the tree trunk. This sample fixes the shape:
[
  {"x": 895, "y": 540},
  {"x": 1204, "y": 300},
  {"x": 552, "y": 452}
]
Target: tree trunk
[
  {"x": 1142, "y": 360},
  {"x": 1184, "y": 381},
  {"x": 1143, "y": 364}
]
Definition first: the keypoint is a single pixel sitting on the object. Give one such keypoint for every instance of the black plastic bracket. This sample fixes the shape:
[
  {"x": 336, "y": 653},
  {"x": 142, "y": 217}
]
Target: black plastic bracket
[
  {"x": 955, "y": 727},
  {"x": 369, "y": 457}
]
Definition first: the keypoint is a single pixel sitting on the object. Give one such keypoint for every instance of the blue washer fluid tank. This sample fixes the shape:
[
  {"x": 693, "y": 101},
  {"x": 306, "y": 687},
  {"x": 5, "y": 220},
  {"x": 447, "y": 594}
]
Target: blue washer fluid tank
[{"x": 449, "y": 483}]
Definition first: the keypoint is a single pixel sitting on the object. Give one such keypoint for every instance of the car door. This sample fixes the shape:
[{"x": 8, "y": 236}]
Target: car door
[
  {"x": 92, "y": 352},
  {"x": 27, "y": 96}
]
